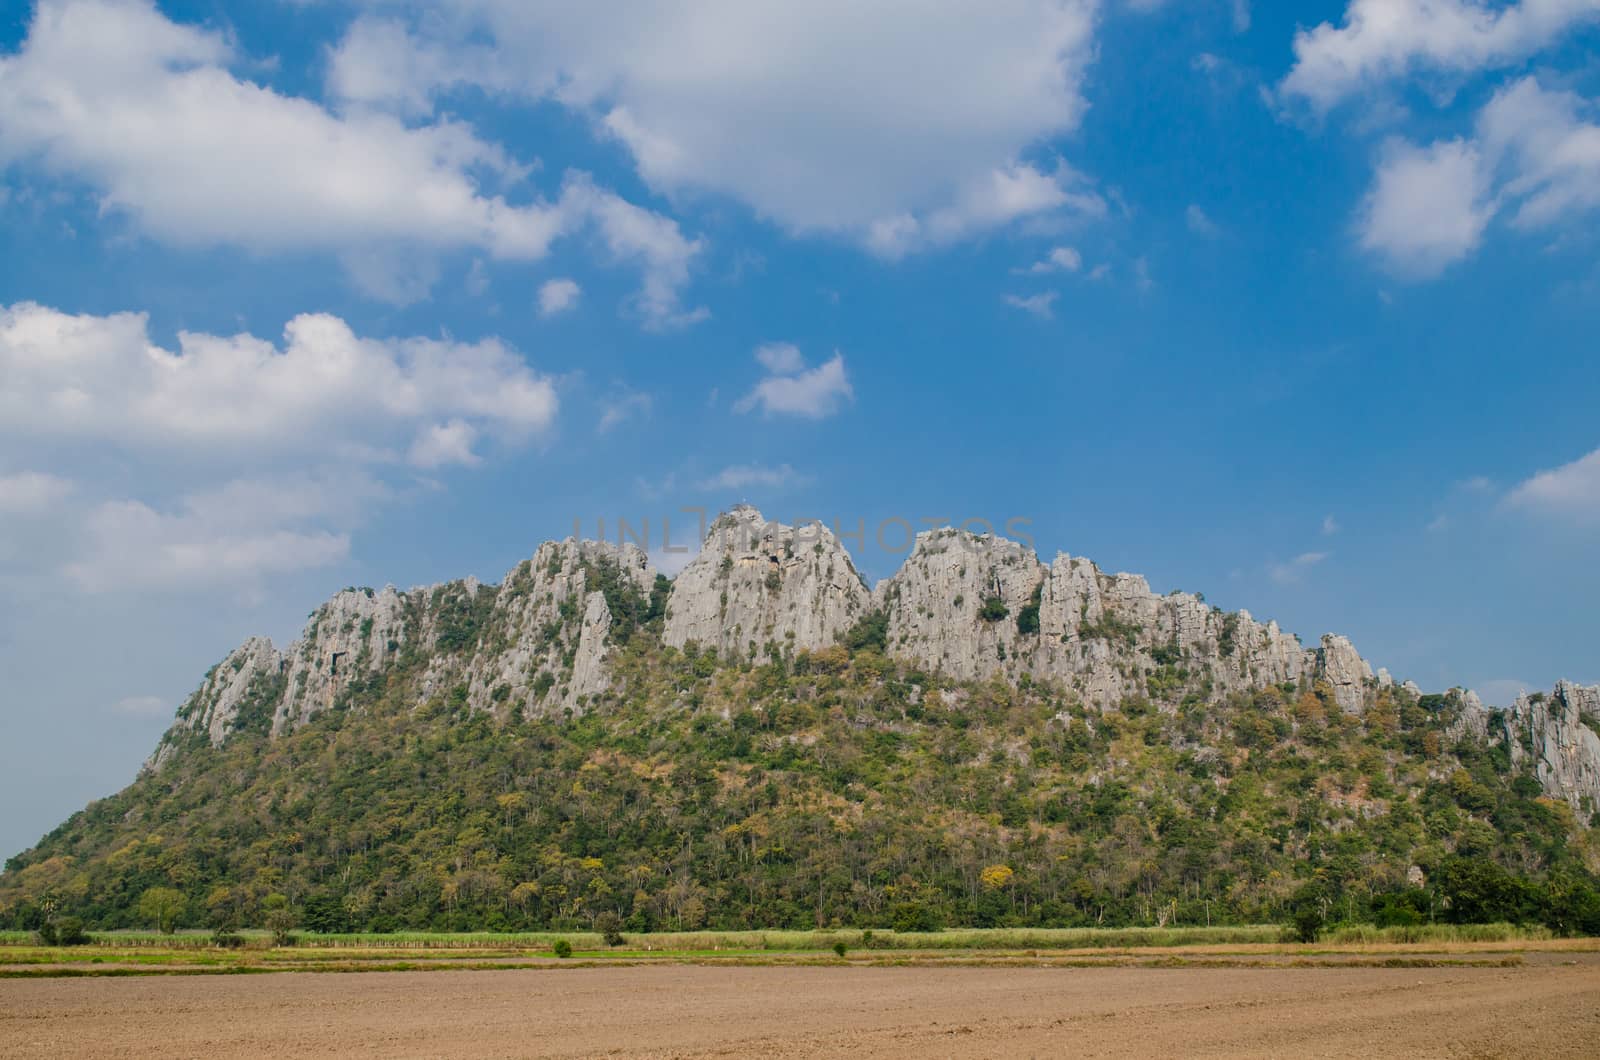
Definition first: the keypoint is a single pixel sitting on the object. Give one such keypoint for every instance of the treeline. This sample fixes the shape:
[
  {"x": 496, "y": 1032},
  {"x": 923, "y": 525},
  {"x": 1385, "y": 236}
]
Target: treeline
[{"x": 834, "y": 788}]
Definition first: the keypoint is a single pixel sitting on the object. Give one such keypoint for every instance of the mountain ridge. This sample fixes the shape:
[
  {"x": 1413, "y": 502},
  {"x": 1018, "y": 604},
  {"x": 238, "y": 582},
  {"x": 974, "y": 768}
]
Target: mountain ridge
[
  {"x": 767, "y": 740},
  {"x": 969, "y": 605}
]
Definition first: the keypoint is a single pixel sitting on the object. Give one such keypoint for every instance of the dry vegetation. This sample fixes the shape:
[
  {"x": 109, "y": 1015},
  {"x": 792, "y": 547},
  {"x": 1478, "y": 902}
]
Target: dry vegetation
[{"x": 142, "y": 953}]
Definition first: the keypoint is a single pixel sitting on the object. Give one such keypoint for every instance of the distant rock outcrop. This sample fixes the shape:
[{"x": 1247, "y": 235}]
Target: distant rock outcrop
[
  {"x": 358, "y": 633},
  {"x": 757, "y": 583},
  {"x": 548, "y": 630},
  {"x": 973, "y": 606},
  {"x": 1560, "y": 734}
]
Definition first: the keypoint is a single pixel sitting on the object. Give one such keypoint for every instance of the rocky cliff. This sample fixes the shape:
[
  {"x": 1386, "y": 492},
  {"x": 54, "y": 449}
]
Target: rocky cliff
[
  {"x": 537, "y": 642},
  {"x": 975, "y": 605},
  {"x": 1559, "y": 734},
  {"x": 968, "y": 606},
  {"x": 756, "y": 584}
]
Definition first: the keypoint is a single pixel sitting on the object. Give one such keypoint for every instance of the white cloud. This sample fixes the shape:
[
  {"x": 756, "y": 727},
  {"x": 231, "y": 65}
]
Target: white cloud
[
  {"x": 558, "y": 296},
  {"x": 1533, "y": 157},
  {"x": 146, "y": 112},
  {"x": 1571, "y": 491},
  {"x": 1060, "y": 259},
  {"x": 1292, "y": 572},
  {"x": 27, "y": 492},
  {"x": 1383, "y": 40},
  {"x": 1040, "y": 305},
  {"x": 652, "y": 242},
  {"x": 1001, "y": 197},
  {"x": 903, "y": 126},
  {"x": 745, "y": 476},
  {"x": 1330, "y": 526},
  {"x": 621, "y": 407},
  {"x": 1428, "y": 207},
  {"x": 144, "y": 109},
  {"x": 232, "y": 459},
  {"x": 143, "y": 706},
  {"x": 99, "y": 379},
  {"x": 1551, "y": 156},
  {"x": 811, "y": 394},
  {"x": 444, "y": 443},
  {"x": 780, "y": 358},
  {"x": 1199, "y": 223}
]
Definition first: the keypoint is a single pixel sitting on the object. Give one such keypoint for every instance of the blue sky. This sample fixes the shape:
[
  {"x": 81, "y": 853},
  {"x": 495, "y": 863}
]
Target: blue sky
[{"x": 1294, "y": 305}]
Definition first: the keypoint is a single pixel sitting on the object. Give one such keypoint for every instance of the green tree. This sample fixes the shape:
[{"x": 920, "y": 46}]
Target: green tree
[
  {"x": 280, "y": 919},
  {"x": 162, "y": 907}
]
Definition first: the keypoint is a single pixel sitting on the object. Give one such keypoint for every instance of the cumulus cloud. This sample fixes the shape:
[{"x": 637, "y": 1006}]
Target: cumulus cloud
[
  {"x": 901, "y": 126},
  {"x": 146, "y": 112},
  {"x": 1002, "y": 196},
  {"x": 558, "y": 296},
  {"x": 1428, "y": 207},
  {"x": 791, "y": 390},
  {"x": 1548, "y": 152},
  {"x": 1571, "y": 491},
  {"x": 1382, "y": 40},
  {"x": 1534, "y": 157},
  {"x": 780, "y": 358},
  {"x": 101, "y": 379},
  {"x": 445, "y": 443},
  {"x": 1040, "y": 305},
  {"x": 246, "y": 458}
]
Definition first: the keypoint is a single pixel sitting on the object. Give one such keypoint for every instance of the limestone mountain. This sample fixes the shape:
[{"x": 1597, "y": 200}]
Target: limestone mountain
[
  {"x": 766, "y": 740},
  {"x": 963, "y": 605}
]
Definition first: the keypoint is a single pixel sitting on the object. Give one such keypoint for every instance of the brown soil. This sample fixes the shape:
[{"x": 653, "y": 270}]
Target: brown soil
[{"x": 1550, "y": 1008}]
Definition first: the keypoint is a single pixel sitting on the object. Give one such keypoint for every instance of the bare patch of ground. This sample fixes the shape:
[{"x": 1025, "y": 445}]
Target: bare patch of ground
[{"x": 1547, "y": 1008}]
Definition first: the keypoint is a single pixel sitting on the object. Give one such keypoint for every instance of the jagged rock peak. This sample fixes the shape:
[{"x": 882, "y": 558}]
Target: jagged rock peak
[
  {"x": 549, "y": 631},
  {"x": 1561, "y": 733},
  {"x": 357, "y": 633},
  {"x": 239, "y": 692},
  {"x": 538, "y": 640},
  {"x": 971, "y": 606},
  {"x": 757, "y": 583},
  {"x": 975, "y": 605}
]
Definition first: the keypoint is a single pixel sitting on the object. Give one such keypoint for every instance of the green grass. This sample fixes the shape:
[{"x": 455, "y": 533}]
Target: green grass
[{"x": 1356, "y": 934}]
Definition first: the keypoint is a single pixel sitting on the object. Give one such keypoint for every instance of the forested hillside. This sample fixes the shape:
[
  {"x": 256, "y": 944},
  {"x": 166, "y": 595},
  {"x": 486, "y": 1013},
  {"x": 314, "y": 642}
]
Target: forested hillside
[{"x": 836, "y": 785}]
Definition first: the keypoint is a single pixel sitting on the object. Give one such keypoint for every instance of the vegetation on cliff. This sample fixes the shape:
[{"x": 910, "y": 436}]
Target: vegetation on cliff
[{"x": 833, "y": 787}]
